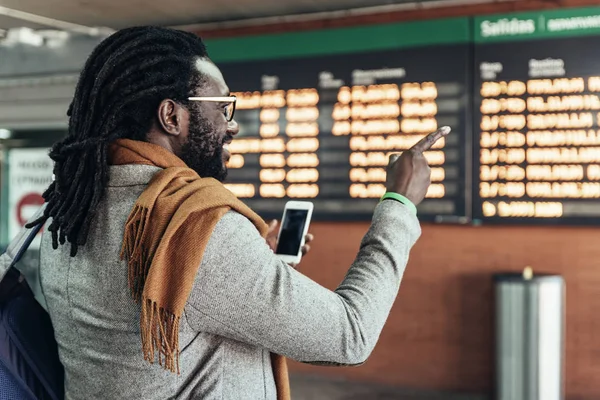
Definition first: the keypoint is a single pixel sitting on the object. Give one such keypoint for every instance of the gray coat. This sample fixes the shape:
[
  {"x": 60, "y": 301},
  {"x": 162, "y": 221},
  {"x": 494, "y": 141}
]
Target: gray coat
[{"x": 245, "y": 303}]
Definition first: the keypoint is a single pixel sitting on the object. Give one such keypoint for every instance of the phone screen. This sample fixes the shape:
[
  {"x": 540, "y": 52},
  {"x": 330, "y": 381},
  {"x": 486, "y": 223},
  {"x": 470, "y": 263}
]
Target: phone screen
[{"x": 292, "y": 229}]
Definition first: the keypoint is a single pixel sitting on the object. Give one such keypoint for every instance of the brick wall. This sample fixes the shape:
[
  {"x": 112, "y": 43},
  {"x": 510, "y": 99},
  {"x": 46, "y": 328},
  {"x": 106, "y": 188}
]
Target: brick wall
[{"x": 440, "y": 332}]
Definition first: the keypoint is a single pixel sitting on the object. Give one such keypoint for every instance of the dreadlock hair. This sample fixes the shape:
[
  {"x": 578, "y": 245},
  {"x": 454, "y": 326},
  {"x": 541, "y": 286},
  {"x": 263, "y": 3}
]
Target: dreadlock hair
[{"x": 118, "y": 94}]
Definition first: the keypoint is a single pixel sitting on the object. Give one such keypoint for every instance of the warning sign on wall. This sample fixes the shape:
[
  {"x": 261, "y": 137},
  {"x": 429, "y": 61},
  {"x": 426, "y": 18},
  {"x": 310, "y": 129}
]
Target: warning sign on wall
[{"x": 29, "y": 175}]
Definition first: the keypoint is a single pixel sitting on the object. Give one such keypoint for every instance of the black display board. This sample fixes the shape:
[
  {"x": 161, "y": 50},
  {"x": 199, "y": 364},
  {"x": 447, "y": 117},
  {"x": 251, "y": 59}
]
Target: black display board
[
  {"x": 537, "y": 138},
  {"x": 321, "y": 129}
]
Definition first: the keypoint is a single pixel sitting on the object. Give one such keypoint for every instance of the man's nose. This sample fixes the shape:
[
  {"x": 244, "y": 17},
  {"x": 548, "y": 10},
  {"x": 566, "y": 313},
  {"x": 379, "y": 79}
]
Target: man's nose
[{"x": 233, "y": 127}]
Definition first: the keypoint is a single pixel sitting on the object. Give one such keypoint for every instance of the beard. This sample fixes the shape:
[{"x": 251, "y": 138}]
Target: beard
[{"x": 203, "y": 151}]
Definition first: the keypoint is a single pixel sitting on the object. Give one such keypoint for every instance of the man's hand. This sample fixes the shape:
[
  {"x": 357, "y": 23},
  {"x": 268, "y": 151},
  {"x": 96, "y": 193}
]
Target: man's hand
[
  {"x": 272, "y": 234},
  {"x": 409, "y": 174},
  {"x": 272, "y": 239}
]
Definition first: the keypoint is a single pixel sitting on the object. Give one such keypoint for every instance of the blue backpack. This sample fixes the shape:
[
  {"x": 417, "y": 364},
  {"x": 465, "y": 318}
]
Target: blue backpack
[{"x": 29, "y": 365}]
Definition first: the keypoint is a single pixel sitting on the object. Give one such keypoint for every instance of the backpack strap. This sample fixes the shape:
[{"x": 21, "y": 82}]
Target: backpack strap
[{"x": 19, "y": 245}]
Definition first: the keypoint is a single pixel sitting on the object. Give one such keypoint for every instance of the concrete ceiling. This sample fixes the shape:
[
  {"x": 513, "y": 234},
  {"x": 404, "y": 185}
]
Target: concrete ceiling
[{"x": 118, "y": 14}]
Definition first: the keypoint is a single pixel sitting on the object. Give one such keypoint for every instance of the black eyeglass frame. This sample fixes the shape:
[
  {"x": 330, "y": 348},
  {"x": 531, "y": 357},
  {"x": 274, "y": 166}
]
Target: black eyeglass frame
[{"x": 230, "y": 110}]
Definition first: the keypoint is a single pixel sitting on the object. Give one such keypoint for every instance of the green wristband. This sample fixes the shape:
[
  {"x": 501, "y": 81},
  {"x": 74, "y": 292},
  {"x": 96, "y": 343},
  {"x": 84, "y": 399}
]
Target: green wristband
[{"x": 401, "y": 199}]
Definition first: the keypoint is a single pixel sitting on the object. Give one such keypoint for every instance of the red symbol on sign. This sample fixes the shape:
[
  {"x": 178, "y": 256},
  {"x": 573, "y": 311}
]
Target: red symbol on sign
[{"x": 30, "y": 199}]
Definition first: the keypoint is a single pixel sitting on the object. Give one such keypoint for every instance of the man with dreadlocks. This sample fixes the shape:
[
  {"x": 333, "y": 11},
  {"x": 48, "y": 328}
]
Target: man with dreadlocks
[{"x": 159, "y": 282}]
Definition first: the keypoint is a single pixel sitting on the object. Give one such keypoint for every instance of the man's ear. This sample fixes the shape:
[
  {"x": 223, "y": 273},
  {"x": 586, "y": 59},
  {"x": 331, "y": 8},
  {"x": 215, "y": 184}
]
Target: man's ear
[{"x": 171, "y": 116}]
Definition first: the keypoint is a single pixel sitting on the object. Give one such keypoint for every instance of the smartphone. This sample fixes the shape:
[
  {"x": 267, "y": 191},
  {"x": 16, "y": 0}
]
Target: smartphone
[{"x": 293, "y": 230}]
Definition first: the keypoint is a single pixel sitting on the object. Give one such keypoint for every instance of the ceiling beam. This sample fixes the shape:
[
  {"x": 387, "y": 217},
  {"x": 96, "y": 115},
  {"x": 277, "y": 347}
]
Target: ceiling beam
[
  {"x": 54, "y": 23},
  {"x": 402, "y": 7}
]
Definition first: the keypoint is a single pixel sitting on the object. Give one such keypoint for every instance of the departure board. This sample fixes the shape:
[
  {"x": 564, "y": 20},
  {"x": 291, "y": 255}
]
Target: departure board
[
  {"x": 537, "y": 139},
  {"x": 322, "y": 129}
]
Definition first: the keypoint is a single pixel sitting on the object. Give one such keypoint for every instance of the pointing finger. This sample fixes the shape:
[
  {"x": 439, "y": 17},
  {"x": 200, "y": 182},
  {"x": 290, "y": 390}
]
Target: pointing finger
[{"x": 428, "y": 141}]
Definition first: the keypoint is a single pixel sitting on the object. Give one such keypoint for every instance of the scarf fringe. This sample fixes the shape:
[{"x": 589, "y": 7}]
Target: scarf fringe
[
  {"x": 137, "y": 256},
  {"x": 159, "y": 327},
  {"x": 160, "y": 333}
]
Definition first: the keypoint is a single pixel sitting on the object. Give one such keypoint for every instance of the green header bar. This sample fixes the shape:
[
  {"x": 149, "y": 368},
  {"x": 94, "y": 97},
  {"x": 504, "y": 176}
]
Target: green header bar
[
  {"x": 341, "y": 40},
  {"x": 538, "y": 25}
]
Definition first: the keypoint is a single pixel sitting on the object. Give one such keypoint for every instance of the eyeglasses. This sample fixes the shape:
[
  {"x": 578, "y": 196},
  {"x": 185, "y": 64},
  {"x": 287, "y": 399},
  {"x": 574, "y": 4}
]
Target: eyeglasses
[{"x": 229, "y": 109}]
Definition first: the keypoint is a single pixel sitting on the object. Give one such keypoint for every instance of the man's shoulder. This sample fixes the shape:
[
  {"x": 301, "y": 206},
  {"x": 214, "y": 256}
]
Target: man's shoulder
[
  {"x": 231, "y": 239},
  {"x": 234, "y": 221},
  {"x": 131, "y": 175}
]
